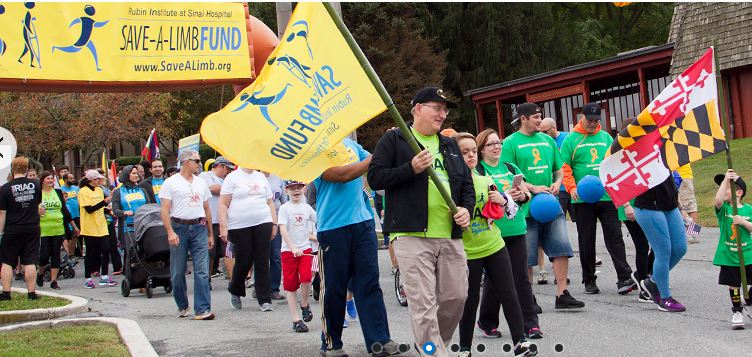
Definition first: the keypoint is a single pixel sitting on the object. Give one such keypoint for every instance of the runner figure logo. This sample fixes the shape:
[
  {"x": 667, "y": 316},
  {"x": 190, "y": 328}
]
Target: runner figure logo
[{"x": 87, "y": 26}]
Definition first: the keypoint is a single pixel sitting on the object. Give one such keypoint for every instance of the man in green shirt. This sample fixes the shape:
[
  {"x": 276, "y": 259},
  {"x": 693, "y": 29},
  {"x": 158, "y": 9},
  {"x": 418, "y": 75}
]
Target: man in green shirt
[
  {"x": 539, "y": 159},
  {"x": 583, "y": 150}
]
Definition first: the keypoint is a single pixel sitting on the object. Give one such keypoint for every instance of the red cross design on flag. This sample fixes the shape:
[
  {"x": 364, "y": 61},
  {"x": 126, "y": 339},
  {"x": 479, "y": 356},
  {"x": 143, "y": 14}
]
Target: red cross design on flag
[{"x": 633, "y": 170}]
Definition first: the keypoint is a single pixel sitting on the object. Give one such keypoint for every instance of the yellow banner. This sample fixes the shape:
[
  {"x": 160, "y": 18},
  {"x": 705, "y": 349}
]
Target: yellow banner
[
  {"x": 311, "y": 93},
  {"x": 123, "y": 41}
]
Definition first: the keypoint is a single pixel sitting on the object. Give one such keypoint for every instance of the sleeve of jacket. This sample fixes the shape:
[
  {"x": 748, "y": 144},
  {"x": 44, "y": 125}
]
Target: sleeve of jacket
[
  {"x": 382, "y": 172},
  {"x": 117, "y": 207},
  {"x": 568, "y": 181},
  {"x": 66, "y": 213},
  {"x": 148, "y": 189},
  {"x": 149, "y": 199}
]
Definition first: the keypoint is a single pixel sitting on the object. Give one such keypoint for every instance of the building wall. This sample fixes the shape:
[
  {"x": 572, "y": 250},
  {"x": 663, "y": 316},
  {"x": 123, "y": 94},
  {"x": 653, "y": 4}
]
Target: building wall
[{"x": 740, "y": 98}]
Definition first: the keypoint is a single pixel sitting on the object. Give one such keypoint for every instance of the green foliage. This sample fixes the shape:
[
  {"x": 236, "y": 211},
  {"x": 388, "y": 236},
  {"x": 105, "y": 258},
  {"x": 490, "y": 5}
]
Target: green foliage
[
  {"x": 192, "y": 106},
  {"x": 207, "y": 152},
  {"x": 266, "y": 12}
]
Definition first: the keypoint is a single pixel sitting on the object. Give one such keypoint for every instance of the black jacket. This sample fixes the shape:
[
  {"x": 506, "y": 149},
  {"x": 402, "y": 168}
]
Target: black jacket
[
  {"x": 146, "y": 185},
  {"x": 406, "y": 207}
]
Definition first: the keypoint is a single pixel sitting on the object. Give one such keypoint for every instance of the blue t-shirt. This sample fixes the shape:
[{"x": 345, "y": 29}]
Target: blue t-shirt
[
  {"x": 130, "y": 200},
  {"x": 156, "y": 185},
  {"x": 342, "y": 204},
  {"x": 71, "y": 195},
  {"x": 559, "y": 140}
]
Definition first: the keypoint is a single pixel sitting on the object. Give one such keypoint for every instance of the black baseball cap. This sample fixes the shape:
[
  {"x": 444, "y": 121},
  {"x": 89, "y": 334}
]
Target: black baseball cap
[
  {"x": 591, "y": 111},
  {"x": 528, "y": 109},
  {"x": 432, "y": 94},
  {"x": 740, "y": 184}
]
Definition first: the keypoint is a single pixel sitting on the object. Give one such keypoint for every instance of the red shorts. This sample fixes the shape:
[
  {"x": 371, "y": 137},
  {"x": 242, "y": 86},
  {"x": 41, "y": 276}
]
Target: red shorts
[{"x": 296, "y": 270}]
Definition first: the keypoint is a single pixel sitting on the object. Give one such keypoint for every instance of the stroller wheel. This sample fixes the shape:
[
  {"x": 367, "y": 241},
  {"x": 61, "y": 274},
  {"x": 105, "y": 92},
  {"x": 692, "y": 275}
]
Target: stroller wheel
[
  {"x": 149, "y": 291},
  {"x": 398, "y": 289},
  {"x": 125, "y": 287},
  {"x": 72, "y": 273},
  {"x": 168, "y": 287},
  {"x": 65, "y": 273},
  {"x": 47, "y": 275}
]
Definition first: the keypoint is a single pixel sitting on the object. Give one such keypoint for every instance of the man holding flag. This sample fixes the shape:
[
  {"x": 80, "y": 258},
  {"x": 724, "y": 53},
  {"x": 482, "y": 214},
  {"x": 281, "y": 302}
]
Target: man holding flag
[{"x": 680, "y": 126}]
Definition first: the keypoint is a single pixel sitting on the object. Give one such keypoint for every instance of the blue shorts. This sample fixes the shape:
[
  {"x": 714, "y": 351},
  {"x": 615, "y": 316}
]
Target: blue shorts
[{"x": 551, "y": 236}]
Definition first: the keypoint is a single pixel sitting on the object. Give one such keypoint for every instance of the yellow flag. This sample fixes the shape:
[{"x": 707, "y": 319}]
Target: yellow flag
[{"x": 310, "y": 94}]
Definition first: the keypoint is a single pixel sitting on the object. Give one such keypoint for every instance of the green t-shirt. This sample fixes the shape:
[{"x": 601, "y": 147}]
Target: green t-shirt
[
  {"x": 481, "y": 240},
  {"x": 51, "y": 224},
  {"x": 536, "y": 155},
  {"x": 503, "y": 180},
  {"x": 584, "y": 153},
  {"x": 726, "y": 253},
  {"x": 440, "y": 220}
]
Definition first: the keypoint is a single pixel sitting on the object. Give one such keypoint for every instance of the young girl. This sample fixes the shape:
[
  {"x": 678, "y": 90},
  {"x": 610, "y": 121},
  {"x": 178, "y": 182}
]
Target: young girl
[{"x": 485, "y": 250}]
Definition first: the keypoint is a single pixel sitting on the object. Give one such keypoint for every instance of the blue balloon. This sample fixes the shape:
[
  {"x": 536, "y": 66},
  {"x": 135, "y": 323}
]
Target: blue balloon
[
  {"x": 590, "y": 189},
  {"x": 544, "y": 207}
]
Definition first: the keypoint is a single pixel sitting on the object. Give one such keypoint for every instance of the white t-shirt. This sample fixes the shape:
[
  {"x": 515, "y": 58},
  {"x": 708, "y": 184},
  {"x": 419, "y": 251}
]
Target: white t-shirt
[
  {"x": 187, "y": 198},
  {"x": 211, "y": 180},
  {"x": 250, "y": 193},
  {"x": 297, "y": 218}
]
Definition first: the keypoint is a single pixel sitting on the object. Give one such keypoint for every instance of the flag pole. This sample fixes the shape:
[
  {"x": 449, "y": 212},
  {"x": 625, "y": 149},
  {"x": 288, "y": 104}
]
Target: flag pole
[
  {"x": 724, "y": 119},
  {"x": 387, "y": 100}
]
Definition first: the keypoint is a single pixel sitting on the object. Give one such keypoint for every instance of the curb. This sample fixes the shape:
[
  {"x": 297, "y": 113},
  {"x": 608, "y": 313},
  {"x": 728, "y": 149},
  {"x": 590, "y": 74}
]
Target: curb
[
  {"x": 130, "y": 333},
  {"x": 77, "y": 306}
]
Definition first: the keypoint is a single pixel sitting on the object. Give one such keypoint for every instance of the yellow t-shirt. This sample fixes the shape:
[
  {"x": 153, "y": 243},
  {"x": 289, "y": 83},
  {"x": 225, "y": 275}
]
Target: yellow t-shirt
[
  {"x": 685, "y": 171},
  {"x": 92, "y": 224}
]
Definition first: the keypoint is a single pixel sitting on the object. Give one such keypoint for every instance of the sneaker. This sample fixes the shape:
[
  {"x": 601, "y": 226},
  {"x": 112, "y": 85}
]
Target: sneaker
[
  {"x": 53, "y": 286},
  {"x": 652, "y": 289},
  {"x": 737, "y": 320},
  {"x": 235, "y": 302},
  {"x": 227, "y": 275},
  {"x": 33, "y": 296},
  {"x": 248, "y": 283},
  {"x": 183, "y": 312},
  {"x": 392, "y": 348},
  {"x": 465, "y": 352},
  {"x": 19, "y": 276},
  {"x": 625, "y": 286},
  {"x": 107, "y": 281},
  {"x": 267, "y": 307},
  {"x": 598, "y": 262},
  {"x": 534, "y": 333},
  {"x": 491, "y": 333},
  {"x": 206, "y": 315},
  {"x": 568, "y": 281},
  {"x": 394, "y": 269},
  {"x": 40, "y": 280},
  {"x": 692, "y": 239},
  {"x": 351, "y": 309},
  {"x": 671, "y": 305},
  {"x": 344, "y": 325},
  {"x": 591, "y": 288},
  {"x": 4, "y": 297},
  {"x": 95, "y": 274},
  {"x": 306, "y": 312},
  {"x": 278, "y": 296},
  {"x": 299, "y": 326},
  {"x": 74, "y": 259},
  {"x": 536, "y": 308},
  {"x": 216, "y": 273},
  {"x": 118, "y": 272},
  {"x": 315, "y": 293},
  {"x": 542, "y": 277},
  {"x": 334, "y": 353},
  {"x": 89, "y": 284},
  {"x": 522, "y": 348},
  {"x": 644, "y": 296},
  {"x": 253, "y": 294},
  {"x": 566, "y": 301}
]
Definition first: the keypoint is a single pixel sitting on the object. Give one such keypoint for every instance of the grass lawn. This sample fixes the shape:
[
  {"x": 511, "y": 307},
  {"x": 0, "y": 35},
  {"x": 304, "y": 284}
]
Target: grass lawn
[
  {"x": 102, "y": 340},
  {"x": 21, "y": 302},
  {"x": 704, "y": 171}
]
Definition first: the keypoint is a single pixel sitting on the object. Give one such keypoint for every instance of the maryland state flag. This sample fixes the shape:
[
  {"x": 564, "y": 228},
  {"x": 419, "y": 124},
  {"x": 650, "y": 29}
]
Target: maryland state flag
[
  {"x": 310, "y": 94},
  {"x": 680, "y": 126}
]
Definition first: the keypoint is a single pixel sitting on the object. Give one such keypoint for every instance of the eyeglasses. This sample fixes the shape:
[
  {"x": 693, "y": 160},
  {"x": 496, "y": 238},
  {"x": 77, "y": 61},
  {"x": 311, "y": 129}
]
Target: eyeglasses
[
  {"x": 445, "y": 110},
  {"x": 547, "y": 130},
  {"x": 198, "y": 161},
  {"x": 495, "y": 143}
]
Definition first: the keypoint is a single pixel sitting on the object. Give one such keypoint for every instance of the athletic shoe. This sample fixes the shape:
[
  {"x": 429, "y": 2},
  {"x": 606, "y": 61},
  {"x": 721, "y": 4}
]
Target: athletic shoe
[
  {"x": 32, "y": 296},
  {"x": 299, "y": 326},
  {"x": 536, "y": 308},
  {"x": 306, "y": 312},
  {"x": 671, "y": 305},
  {"x": 534, "y": 333},
  {"x": 107, "y": 281},
  {"x": 566, "y": 301},
  {"x": 95, "y": 274},
  {"x": 542, "y": 277},
  {"x": 216, "y": 273},
  {"x": 248, "y": 283},
  {"x": 351, "y": 309},
  {"x": 644, "y": 296},
  {"x": 522, "y": 348},
  {"x": 206, "y": 315},
  {"x": 19, "y": 276},
  {"x": 491, "y": 333},
  {"x": 235, "y": 301},
  {"x": 591, "y": 288},
  {"x": 692, "y": 239},
  {"x": 74, "y": 259},
  {"x": 568, "y": 281},
  {"x": 394, "y": 269},
  {"x": 253, "y": 294},
  {"x": 598, "y": 262},
  {"x": 183, "y": 312},
  {"x": 652, "y": 289},
  {"x": 465, "y": 352},
  {"x": 391, "y": 348},
  {"x": 89, "y": 284},
  {"x": 333, "y": 353},
  {"x": 53, "y": 286},
  {"x": 267, "y": 307},
  {"x": 118, "y": 272},
  {"x": 737, "y": 320},
  {"x": 344, "y": 325},
  {"x": 625, "y": 286},
  {"x": 40, "y": 280},
  {"x": 278, "y": 296},
  {"x": 4, "y": 297},
  {"x": 314, "y": 293},
  {"x": 227, "y": 275}
]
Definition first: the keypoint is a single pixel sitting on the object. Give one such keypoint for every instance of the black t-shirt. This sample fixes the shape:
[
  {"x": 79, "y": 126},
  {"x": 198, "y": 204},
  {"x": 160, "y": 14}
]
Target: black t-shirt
[{"x": 20, "y": 198}]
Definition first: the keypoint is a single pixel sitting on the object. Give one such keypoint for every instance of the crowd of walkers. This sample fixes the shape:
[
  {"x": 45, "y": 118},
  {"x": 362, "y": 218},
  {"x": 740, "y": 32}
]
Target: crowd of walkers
[{"x": 319, "y": 237}]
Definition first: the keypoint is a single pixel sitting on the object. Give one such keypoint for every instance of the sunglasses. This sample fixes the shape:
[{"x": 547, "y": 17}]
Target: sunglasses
[{"x": 198, "y": 161}]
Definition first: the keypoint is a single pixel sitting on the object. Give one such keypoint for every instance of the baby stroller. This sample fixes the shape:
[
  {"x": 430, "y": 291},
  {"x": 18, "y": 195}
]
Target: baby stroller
[
  {"x": 399, "y": 290},
  {"x": 147, "y": 253},
  {"x": 66, "y": 268}
]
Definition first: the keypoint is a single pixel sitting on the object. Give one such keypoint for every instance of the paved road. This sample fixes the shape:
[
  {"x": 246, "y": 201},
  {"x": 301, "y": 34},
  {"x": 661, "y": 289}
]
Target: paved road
[{"x": 610, "y": 324}]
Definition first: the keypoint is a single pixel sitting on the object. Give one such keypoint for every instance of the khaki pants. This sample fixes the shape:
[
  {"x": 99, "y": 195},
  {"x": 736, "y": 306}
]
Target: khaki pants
[{"x": 434, "y": 276}]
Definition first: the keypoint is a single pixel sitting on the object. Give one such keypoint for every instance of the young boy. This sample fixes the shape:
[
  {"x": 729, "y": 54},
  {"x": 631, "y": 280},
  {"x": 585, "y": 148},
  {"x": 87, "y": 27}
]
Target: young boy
[
  {"x": 294, "y": 218},
  {"x": 733, "y": 227}
]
